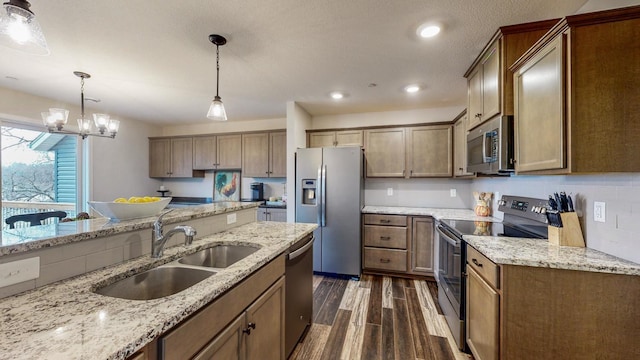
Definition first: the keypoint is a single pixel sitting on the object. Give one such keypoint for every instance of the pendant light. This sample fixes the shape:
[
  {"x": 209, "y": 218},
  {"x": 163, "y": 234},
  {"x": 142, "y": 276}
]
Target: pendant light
[
  {"x": 56, "y": 119},
  {"x": 216, "y": 110},
  {"x": 20, "y": 30}
]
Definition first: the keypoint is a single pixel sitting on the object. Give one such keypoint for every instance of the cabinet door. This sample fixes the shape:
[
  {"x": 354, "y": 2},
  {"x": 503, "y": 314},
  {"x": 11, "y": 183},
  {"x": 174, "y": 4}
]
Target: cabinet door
[
  {"x": 349, "y": 138},
  {"x": 262, "y": 214},
  {"x": 181, "y": 157},
  {"x": 160, "y": 158},
  {"x": 429, "y": 151},
  {"x": 265, "y": 319},
  {"x": 278, "y": 154},
  {"x": 229, "y": 152},
  {"x": 227, "y": 345},
  {"x": 279, "y": 215},
  {"x": 491, "y": 83},
  {"x": 539, "y": 110},
  {"x": 385, "y": 152},
  {"x": 322, "y": 139},
  {"x": 255, "y": 155},
  {"x": 204, "y": 153},
  {"x": 474, "y": 109},
  {"x": 422, "y": 246},
  {"x": 460, "y": 147},
  {"x": 483, "y": 317}
]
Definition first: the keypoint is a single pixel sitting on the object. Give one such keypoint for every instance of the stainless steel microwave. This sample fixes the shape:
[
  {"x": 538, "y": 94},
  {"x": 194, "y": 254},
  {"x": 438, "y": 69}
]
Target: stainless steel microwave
[{"x": 490, "y": 147}]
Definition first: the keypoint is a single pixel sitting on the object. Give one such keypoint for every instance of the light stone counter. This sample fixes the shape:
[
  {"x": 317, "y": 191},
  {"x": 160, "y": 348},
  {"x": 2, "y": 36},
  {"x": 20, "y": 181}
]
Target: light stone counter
[
  {"x": 66, "y": 320},
  {"x": 19, "y": 240},
  {"x": 453, "y": 214},
  {"x": 518, "y": 251},
  {"x": 539, "y": 253}
]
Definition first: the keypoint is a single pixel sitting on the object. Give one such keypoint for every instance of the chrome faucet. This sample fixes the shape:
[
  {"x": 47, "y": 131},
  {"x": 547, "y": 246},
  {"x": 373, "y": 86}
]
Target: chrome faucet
[{"x": 158, "y": 239}]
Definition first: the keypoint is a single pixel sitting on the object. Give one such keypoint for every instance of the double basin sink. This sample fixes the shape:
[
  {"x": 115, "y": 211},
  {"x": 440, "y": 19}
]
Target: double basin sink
[{"x": 179, "y": 275}]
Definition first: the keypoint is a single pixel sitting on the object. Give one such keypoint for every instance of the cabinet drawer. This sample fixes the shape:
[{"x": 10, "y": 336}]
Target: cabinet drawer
[
  {"x": 385, "y": 236},
  {"x": 385, "y": 259},
  {"x": 391, "y": 220},
  {"x": 483, "y": 266}
]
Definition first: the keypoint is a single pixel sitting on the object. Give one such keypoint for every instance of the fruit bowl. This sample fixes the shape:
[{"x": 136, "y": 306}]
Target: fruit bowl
[{"x": 125, "y": 211}]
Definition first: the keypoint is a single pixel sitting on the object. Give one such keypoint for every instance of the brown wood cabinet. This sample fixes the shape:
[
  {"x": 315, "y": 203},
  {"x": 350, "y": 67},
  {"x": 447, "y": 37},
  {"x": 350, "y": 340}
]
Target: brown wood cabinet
[
  {"x": 429, "y": 151},
  {"x": 335, "y": 138},
  {"x": 573, "y": 91},
  {"x": 490, "y": 83},
  {"x": 384, "y": 151},
  {"x": 397, "y": 244},
  {"x": 247, "y": 322},
  {"x": 264, "y": 154},
  {"x": 217, "y": 152},
  {"x": 523, "y": 312},
  {"x": 460, "y": 146},
  {"x": 172, "y": 157}
]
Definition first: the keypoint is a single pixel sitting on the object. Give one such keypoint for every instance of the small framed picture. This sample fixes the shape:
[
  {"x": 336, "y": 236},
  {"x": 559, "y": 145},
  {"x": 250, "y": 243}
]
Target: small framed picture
[{"x": 226, "y": 185}]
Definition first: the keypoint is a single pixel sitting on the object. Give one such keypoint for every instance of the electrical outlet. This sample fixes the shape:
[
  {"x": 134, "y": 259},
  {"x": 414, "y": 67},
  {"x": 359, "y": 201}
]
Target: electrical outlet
[
  {"x": 599, "y": 211},
  {"x": 19, "y": 271},
  {"x": 389, "y": 191},
  {"x": 452, "y": 193},
  {"x": 231, "y": 218}
]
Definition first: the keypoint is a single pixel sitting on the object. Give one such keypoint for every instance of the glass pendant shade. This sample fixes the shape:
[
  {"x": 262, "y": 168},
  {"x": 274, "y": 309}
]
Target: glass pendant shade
[
  {"x": 20, "y": 30},
  {"x": 113, "y": 127},
  {"x": 85, "y": 126},
  {"x": 216, "y": 110}
]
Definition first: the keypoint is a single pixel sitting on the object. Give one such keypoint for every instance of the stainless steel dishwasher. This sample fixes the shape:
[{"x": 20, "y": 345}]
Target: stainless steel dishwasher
[{"x": 298, "y": 292}]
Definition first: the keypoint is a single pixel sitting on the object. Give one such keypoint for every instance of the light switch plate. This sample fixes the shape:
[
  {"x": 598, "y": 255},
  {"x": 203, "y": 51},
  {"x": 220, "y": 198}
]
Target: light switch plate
[
  {"x": 389, "y": 191},
  {"x": 599, "y": 211},
  {"x": 19, "y": 271},
  {"x": 231, "y": 218},
  {"x": 452, "y": 193}
]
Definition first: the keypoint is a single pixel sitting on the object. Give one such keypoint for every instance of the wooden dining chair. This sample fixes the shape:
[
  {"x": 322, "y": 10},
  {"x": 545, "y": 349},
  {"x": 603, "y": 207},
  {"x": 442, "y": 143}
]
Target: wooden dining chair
[{"x": 34, "y": 218}]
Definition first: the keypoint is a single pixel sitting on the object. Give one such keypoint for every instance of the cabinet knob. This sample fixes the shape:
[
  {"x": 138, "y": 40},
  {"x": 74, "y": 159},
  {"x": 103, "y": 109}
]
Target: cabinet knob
[
  {"x": 385, "y": 237},
  {"x": 247, "y": 331},
  {"x": 385, "y": 221},
  {"x": 476, "y": 262},
  {"x": 385, "y": 261},
  {"x": 478, "y": 115},
  {"x": 251, "y": 325}
]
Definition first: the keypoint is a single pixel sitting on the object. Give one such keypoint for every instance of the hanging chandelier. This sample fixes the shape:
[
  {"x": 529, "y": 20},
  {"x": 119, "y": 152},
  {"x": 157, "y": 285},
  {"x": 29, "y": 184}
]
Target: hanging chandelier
[
  {"x": 20, "y": 30},
  {"x": 216, "y": 110},
  {"x": 55, "y": 119}
]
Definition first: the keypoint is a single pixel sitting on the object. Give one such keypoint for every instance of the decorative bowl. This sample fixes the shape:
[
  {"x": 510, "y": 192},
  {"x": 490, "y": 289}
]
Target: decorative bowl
[{"x": 126, "y": 211}]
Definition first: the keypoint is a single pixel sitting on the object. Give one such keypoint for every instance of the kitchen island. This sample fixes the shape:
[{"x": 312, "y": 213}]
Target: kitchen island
[{"x": 67, "y": 320}]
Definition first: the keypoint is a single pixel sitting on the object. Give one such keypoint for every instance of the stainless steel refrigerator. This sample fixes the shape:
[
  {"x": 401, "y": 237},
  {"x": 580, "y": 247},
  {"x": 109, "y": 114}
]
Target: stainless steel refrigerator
[{"x": 329, "y": 192}]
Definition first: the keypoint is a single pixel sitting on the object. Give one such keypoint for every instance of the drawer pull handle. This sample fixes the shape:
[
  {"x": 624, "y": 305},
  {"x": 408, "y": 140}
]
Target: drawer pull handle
[
  {"x": 385, "y": 261},
  {"x": 385, "y": 237},
  {"x": 385, "y": 221},
  {"x": 476, "y": 262}
]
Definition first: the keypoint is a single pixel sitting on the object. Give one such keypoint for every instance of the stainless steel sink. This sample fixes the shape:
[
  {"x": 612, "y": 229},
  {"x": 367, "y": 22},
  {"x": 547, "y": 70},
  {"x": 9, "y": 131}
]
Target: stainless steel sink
[
  {"x": 155, "y": 283},
  {"x": 220, "y": 256}
]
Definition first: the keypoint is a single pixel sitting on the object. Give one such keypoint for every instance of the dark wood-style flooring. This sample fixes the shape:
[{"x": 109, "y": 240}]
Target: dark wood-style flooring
[{"x": 378, "y": 317}]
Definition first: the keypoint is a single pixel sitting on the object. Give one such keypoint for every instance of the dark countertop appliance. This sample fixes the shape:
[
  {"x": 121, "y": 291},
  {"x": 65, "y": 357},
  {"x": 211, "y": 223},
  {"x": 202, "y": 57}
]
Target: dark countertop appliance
[
  {"x": 523, "y": 218},
  {"x": 257, "y": 191}
]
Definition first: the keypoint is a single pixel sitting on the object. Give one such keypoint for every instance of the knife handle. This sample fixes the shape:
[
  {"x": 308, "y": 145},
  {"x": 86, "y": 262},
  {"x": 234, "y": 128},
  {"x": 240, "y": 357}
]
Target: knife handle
[{"x": 570, "y": 202}]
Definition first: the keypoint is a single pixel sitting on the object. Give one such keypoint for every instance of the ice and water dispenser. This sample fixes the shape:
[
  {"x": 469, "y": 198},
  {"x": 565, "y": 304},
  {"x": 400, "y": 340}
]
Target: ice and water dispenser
[{"x": 309, "y": 191}]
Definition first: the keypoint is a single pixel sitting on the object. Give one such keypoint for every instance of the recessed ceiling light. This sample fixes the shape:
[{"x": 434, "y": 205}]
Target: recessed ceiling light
[
  {"x": 427, "y": 31},
  {"x": 412, "y": 89},
  {"x": 336, "y": 95}
]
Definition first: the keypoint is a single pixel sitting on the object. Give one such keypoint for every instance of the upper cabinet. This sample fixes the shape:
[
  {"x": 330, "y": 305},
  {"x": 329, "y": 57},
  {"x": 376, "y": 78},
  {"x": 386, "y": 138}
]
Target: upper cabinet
[
  {"x": 429, "y": 151},
  {"x": 335, "y": 138},
  {"x": 172, "y": 157},
  {"x": 490, "y": 83},
  {"x": 576, "y": 96},
  {"x": 264, "y": 154},
  {"x": 217, "y": 152},
  {"x": 460, "y": 146},
  {"x": 385, "y": 152}
]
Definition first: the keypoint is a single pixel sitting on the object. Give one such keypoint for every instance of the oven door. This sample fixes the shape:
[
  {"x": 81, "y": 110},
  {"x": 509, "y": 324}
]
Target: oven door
[{"x": 450, "y": 266}]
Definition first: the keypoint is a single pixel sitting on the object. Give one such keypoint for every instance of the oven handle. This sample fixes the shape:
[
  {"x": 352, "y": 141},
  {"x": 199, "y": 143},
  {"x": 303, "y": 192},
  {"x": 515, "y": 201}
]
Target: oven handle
[{"x": 446, "y": 236}]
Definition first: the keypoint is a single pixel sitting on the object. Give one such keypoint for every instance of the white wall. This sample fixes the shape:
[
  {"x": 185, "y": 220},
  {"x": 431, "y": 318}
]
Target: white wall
[
  {"x": 214, "y": 127},
  {"x": 386, "y": 118},
  {"x": 596, "y": 5},
  {"x": 298, "y": 121},
  {"x": 418, "y": 193}
]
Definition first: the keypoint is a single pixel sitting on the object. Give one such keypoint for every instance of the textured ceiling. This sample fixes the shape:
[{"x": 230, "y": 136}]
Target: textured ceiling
[{"x": 152, "y": 60}]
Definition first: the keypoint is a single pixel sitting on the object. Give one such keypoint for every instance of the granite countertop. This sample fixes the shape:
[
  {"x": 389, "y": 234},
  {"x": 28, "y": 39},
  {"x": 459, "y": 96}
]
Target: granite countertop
[
  {"x": 65, "y": 320},
  {"x": 437, "y": 213},
  {"x": 519, "y": 251},
  {"x": 540, "y": 253},
  {"x": 19, "y": 240}
]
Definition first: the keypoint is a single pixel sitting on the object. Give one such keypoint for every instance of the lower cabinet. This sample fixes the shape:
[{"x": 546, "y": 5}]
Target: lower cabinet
[
  {"x": 272, "y": 214},
  {"x": 483, "y": 317},
  {"x": 399, "y": 244},
  {"x": 247, "y": 322}
]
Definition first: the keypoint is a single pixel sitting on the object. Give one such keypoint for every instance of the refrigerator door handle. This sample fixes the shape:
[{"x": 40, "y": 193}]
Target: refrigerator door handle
[
  {"x": 323, "y": 194},
  {"x": 319, "y": 195}
]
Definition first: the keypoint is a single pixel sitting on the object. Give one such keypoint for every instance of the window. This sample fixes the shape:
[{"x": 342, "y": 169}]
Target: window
[{"x": 39, "y": 172}]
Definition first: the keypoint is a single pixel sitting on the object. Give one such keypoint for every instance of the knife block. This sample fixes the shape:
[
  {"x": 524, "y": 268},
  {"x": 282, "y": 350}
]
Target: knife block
[{"x": 570, "y": 234}]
